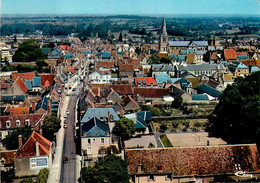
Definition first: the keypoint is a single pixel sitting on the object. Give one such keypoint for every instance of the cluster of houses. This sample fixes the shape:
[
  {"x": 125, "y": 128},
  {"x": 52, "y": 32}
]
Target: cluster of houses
[{"x": 26, "y": 100}]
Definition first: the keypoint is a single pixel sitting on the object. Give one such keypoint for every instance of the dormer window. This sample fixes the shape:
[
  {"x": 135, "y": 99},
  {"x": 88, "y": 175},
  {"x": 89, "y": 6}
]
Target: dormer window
[
  {"x": 27, "y": 122},
  {"x": 17, "y": 123},
  {"x": 8, "y": 124}
]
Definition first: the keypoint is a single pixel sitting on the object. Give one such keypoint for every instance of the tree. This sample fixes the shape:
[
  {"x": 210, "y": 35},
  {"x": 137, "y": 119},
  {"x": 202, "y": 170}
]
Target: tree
[
  {"x": 154, "y": 59},
  {"x": 50, "y": 126},
  {"x": 111, "y": 169},
  {"x": 28, "y": 51},
  {"x": 40, "y": 65},
  {"x": 163, "y": 127},
  {"x": 42, "y": 176},
  {"x": 177, "y": 102},
  {"x": 124, "y": 128},
  {"x": 120, "y": 39},
  {"x": 27, "y": 180},
  {"x": 166, "y": 60},
  {"x": 11, "y": 140},
  {"x": 236, "y": 118}
]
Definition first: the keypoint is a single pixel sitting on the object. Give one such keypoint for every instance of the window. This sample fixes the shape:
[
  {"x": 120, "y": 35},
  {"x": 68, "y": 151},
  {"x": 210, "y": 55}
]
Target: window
[
  {"x": 8, "y": 124},
  {"x": 151, "y": 178},
  {"x": 17, "y": 123},
  {"x": 89, "y": 150},
  {"x": 27, "y": 122},
  {"x": 102, "y": 140},
  {"x": 89, "y": 141}
]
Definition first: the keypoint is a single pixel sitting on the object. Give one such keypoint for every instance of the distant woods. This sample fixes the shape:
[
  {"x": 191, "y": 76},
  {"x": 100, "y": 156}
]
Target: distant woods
[{"x": 101, "y": 26}]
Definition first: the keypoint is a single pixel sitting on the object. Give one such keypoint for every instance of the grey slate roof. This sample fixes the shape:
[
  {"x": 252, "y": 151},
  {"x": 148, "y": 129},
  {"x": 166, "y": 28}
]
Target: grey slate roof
[
  {"x": 200, "y": 52},
  {"x": 100, "y": 113},
  {"x": 199, "y": 67},
  {"x": 209, "y": 90},
  {"x": 200, "y": 97},
  {"x": 36, "y": 82},
  {"x": 179, "y": 43},
  {"x": 28, "y": 83},
  {"x": 95, "y": 128},
  {"x": 201, "y": 43}
]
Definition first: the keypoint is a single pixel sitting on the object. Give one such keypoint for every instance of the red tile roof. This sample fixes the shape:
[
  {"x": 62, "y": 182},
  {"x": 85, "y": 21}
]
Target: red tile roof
[
  {"x": 8, "y": 156},
  {"x": 149, "y": 81},
  {"x": 194, "y": 160},
  {"x": 21, "y": 84},
  {"x": 242, "y": 54},
  {"x": 47, "y": 79},
  {"x": 124, "y": 67},
  {"x": 64, "y": 47},
  {"x": 28, "y": 149},
  {"x": 122, "y": 89},
  {"x": 251, "y": 62},
  {"x": 34, "y": 118},
  {"x": 152, "y": 92},
  {"x": 214, "y": 56},
  {"x": 95, "y": 91},
  {"x": 20, "y": 110},
  {"x": 127, "y": 100},
  {"x": 72, "y": 70},
  {"x": 230, "y": 54},
  {"x": 26, "y": 76},
  {"x": 106, "y": 64}
]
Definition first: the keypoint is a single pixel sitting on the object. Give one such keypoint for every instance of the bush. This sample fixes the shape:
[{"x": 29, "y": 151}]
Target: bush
[
  {"x": 163, "y": 127},
  {"x": 42, "y": 176},
  {"x": 175, "y": 124}
]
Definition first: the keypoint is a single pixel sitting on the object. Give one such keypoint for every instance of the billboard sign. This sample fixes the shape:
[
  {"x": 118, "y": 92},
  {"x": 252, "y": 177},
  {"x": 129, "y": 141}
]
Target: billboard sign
[{"x": 39, "y": 162}]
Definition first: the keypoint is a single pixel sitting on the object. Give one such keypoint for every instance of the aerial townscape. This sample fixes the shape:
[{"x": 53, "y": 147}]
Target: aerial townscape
[{"x": 129, "y": 98}]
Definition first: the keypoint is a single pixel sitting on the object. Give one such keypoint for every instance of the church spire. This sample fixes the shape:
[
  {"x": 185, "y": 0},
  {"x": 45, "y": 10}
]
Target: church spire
[
  {"x": 163, "y": 41},
  {"x": 164, "y": 32}
]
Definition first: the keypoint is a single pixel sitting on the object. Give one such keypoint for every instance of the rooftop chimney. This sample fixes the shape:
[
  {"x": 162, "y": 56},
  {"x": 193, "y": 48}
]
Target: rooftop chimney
[
  {"x": 20, "y": 141},
  {"x": 37, "y": 148},
  {"x": 139, "y": 168},
  {"x": 108, "y": 117}
]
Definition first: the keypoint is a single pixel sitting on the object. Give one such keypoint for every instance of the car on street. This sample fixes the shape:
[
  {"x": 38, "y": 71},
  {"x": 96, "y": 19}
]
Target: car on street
[
  {"x": 65, "y": 159},
  {"x": 67, "y": 112},
  {"x": 65, "y": 115},
  {"x": 65, "y": 126},
  {"x": 65, "y": 121},
  {"x": 73, "y": 89}
]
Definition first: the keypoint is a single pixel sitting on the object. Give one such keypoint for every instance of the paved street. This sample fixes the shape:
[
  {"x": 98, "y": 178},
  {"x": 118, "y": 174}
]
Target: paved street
[{"x": 69, "y": 170}]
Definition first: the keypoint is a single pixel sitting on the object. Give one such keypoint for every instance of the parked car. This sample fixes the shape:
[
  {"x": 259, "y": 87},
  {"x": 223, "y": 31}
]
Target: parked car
[
  {"x": 65, "y": 126},
  {"x": 67, "y": 112},
  {"x": 65, "y": 159},
  {"x": 65, "y": 121},
  {"x": 65, "y": 115}
]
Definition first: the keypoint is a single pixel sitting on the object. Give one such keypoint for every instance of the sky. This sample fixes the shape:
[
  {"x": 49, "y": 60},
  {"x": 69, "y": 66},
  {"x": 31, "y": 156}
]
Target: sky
[{"x": 131, "y": 7}]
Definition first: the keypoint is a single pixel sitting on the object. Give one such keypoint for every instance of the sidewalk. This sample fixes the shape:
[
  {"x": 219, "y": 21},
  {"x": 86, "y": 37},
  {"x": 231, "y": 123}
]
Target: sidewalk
[{"x": 55, "y": 170}]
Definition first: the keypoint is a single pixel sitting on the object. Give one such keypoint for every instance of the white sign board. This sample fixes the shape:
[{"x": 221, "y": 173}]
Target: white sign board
[{"x": 39, "y": 162}]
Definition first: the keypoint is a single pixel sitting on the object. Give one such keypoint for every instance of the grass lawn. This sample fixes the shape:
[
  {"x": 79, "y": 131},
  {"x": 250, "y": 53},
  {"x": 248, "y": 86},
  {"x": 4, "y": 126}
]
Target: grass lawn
[{"x": 165, "y": 140}]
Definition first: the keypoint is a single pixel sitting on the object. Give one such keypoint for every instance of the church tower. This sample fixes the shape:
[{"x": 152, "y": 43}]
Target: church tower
[{"x": 163, "y": 42}]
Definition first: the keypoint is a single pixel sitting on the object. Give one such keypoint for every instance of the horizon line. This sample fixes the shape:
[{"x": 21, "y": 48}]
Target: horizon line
[{"x": 108, "y": 14}]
